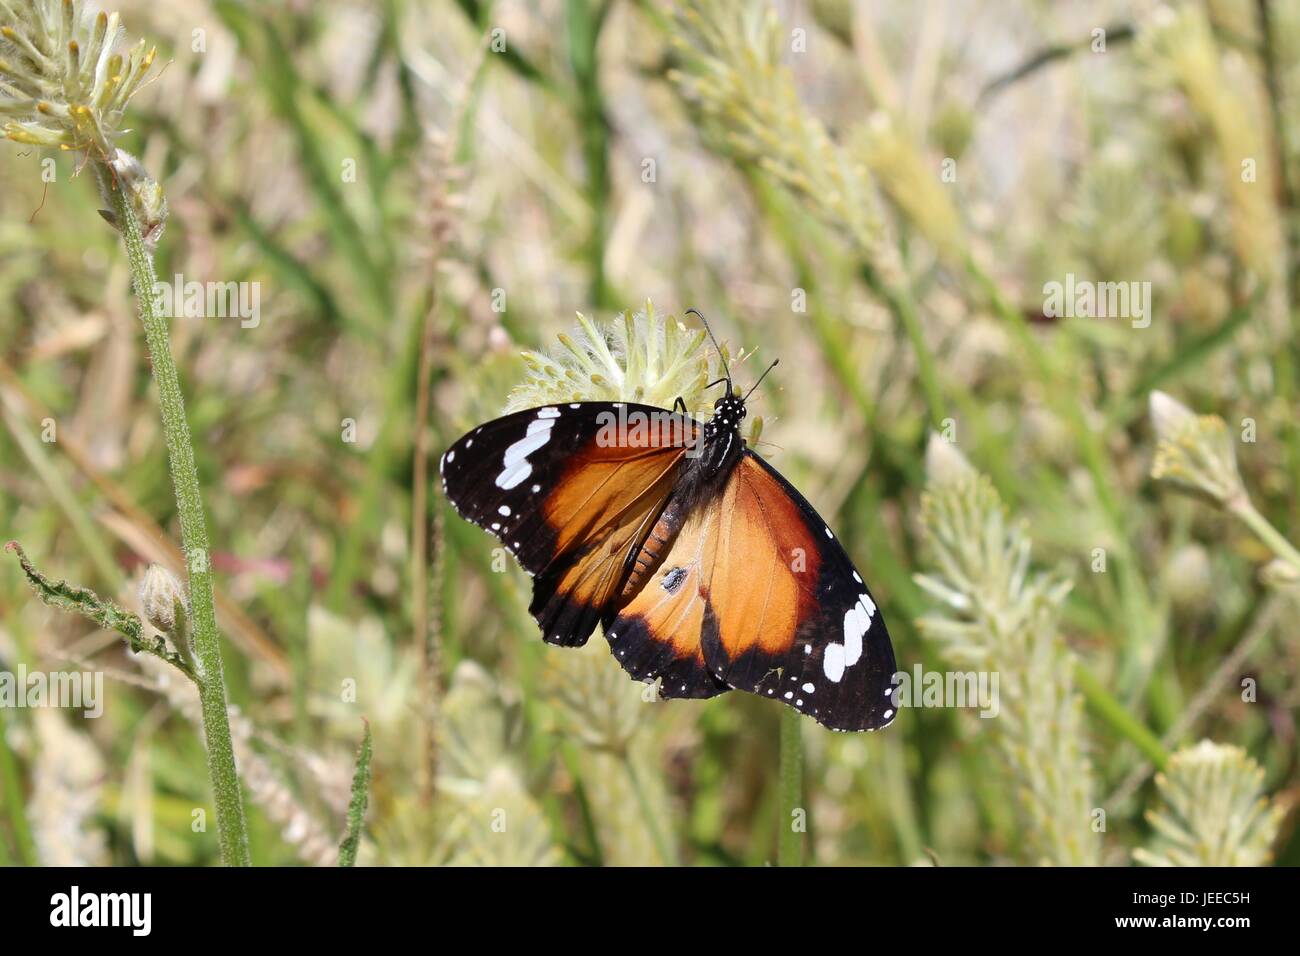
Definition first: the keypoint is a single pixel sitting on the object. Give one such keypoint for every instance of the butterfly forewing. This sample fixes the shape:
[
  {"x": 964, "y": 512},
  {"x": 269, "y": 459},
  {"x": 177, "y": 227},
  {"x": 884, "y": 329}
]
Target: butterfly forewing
[{"x": 570, "y": 493}]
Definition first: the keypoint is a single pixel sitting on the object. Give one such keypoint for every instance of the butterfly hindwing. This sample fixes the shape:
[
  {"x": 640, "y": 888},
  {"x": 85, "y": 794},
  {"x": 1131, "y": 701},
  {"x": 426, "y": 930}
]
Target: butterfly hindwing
[
  {"x": 570, "y": 492},
  {"x": 655, "y": 633},
  {"x": 789, "y": 616}
]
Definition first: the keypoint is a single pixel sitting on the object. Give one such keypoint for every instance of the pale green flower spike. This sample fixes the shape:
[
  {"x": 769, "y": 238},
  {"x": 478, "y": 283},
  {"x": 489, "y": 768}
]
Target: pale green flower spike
[
  {"x": 1196, "y": 453},
  {"x": 1213, "y": 812},
  {"x": 997, "y": 616},
  {"x": 61, "y": 83},
  {"x": 491, "y": 819},
  {"x": 63, "y": 86},
  {"x": 1193, "y": 451},
  {"x": 646, "y": 358},
  {"x": 594, "y": 702},
  {"x": 734, "y": 71}
]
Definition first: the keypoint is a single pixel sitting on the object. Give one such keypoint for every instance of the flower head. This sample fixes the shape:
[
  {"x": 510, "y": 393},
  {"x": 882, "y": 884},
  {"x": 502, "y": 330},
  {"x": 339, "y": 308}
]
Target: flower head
[
  {"x": 645, "y": 358},
  {"x": 61, "y": 83},
  {"x": 1214, "y": 813},
  {"x": 1193, "y": 451}
]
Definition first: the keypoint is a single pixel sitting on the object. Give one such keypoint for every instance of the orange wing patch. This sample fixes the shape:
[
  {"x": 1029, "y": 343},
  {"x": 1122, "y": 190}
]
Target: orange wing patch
[
  {"x": 594, "y": 573},
  {"x": 602, "y": 482},
  {"x": 764, "y": 576},
  {"x": 657, "y": 634},
  {"x": 599, "y": 513}
]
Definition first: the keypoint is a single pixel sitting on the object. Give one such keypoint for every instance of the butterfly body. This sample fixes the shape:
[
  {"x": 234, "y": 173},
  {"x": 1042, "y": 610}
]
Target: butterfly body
[{"x": 705, "y": 569}]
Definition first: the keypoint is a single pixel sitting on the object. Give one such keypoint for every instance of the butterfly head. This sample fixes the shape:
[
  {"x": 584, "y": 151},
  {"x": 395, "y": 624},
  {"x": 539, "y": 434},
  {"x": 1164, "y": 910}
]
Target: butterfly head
[{"x": 729, "y": 411}]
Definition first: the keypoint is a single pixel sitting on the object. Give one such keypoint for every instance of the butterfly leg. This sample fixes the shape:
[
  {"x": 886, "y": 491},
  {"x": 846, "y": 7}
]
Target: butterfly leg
[{"x": 679, "y": 405}]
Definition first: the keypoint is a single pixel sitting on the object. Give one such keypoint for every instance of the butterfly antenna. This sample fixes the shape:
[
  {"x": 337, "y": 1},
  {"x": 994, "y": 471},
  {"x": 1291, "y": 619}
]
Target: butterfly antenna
[
  {"x": 721, "y": 357},
  {"x": 775, "y": 363}
]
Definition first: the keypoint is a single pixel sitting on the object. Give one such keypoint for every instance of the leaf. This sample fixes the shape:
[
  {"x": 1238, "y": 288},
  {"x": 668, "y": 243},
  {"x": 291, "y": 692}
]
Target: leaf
[
  {"x": 105, "y": 614},
  {"x": 360, "y": 798},
  {"x": 81, "y": 601}
]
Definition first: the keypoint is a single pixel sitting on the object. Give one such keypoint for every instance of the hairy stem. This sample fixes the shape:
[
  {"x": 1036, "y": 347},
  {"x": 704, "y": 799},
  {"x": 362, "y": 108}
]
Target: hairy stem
[
  {"x": 231, "y": 830},
  {"x": 789, "y": 847},
  {"x": 1248, "y": 514}
]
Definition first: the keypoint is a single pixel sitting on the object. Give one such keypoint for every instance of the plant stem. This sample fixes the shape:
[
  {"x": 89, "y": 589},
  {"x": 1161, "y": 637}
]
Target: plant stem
[
  {"x": 231, "y": 831},
  {"x": 360, "y": 800},
  {"x": 902, "y": 307},
  {"x": 1105, "y": 706},
  {"x": 11, "y": 795},
  {"x": 1256, "y": 522},
  {"x": 789, "y": 846}
]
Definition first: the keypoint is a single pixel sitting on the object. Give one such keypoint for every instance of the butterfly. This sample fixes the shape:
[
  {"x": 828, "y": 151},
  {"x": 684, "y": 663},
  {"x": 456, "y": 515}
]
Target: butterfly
[{"x": 705, "y": 569}]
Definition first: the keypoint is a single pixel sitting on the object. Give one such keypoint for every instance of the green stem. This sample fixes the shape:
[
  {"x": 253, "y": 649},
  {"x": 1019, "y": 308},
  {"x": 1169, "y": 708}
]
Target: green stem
[
  {"x": 662, "y": 846},
  {"x": 789, "y": 847},
  {"x": 231, "y": 831},
  {"x": 1256, "y": 522},
  {"x": 903, "y": 308},
  {"x": 583, "y": 23},
  {"x": 1105, "y": 706},
  {"x": 12, "y": 795},
  {"x": 360, "y": 800}
]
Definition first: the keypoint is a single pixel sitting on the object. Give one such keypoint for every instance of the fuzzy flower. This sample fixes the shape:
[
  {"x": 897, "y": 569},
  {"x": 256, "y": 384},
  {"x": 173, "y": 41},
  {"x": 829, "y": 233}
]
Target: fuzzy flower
[
  {"x": 162, "y": 598},
  {"x": 944, "y": 464},
  {"x": 1193, "y": 451},
  {"x": 733, "y": 53},
  {"x": 1213, "y": 812},
  {"x": 995, "y": 614},
  {"x": 644, "y": 358},
  {"x": 61, "y": 83},
  {"x": 595, "y": 702},
  {"x": 907, "y": 176},
  {"x": 1179, "y": 50}
]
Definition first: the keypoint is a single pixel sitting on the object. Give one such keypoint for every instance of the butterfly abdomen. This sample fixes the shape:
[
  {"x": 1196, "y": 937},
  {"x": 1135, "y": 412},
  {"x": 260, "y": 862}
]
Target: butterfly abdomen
[{"x": 645, "y": 560}]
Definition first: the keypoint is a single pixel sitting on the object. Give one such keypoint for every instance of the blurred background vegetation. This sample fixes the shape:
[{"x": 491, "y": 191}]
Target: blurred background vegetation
[{"x": 874, "y": 192}]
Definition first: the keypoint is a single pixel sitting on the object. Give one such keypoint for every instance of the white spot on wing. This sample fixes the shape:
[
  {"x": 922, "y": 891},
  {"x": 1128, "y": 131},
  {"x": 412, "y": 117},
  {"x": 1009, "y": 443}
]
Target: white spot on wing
[
  {"x": 504, "y": 511},
  {"x": 514, "y": 464},
  {"x": 857, "y": 621},
  {"x": 548, "y": 412},
  {"x": 833, "y": 662},
  {"x": 808, "y": 688}
]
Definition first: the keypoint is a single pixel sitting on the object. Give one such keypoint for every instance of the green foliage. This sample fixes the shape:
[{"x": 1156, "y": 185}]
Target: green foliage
[
  {"x": 360, "y": 798},
  {"x": 420, "y": 202}
]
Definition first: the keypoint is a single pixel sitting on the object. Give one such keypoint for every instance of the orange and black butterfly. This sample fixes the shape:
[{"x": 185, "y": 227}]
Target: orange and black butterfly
[{"x": 704, "y": 567}]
